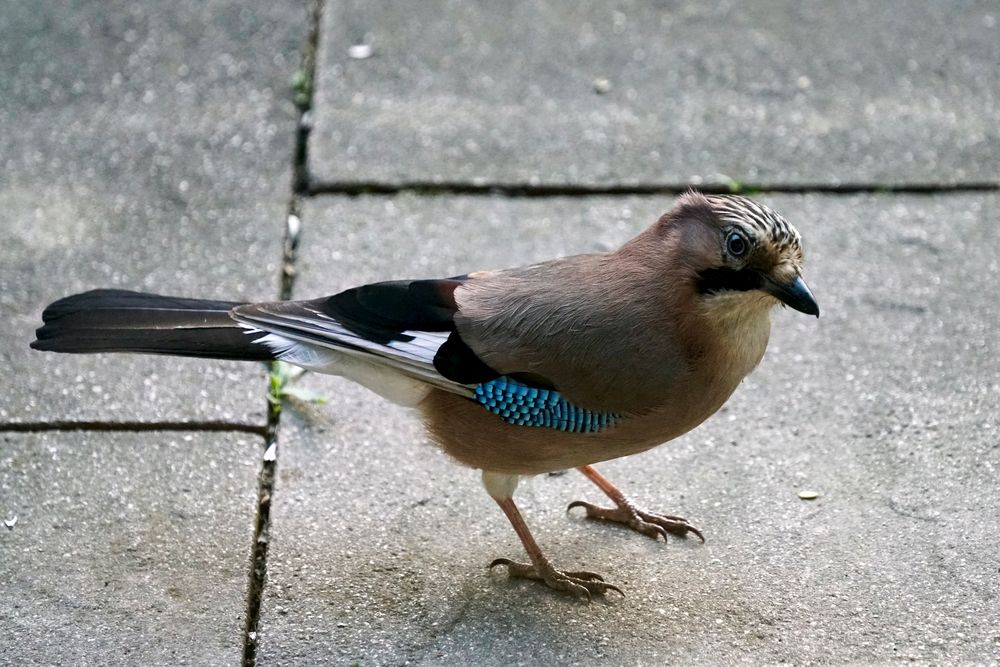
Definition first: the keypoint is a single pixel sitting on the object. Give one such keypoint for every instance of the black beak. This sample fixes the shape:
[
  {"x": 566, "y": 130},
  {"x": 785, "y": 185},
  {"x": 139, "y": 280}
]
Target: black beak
[{"x": 795, "y": 294}]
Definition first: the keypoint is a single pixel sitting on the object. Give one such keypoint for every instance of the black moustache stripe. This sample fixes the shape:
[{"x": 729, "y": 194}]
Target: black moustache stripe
[{"x": 712, "y": 281}]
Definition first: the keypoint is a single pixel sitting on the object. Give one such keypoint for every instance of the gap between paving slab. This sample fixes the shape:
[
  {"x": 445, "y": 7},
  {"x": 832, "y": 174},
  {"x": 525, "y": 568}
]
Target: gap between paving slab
[
  {"x": 306, "y": 79},
  {"x": 293, "y": 223},
  {"x": 261, "y": 537},
  {"x": 131, "y": 427},
  {"x": 518, "y": 190}
]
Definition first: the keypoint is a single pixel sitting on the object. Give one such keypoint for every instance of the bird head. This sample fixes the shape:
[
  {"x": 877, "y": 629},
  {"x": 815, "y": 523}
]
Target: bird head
[{"x": 739, "y": 250}]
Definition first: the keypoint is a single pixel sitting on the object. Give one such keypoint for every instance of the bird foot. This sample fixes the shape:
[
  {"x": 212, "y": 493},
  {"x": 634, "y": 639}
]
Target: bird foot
[
  {"x": 649, "y": 524},
  {"x": 578, "y": 583}
]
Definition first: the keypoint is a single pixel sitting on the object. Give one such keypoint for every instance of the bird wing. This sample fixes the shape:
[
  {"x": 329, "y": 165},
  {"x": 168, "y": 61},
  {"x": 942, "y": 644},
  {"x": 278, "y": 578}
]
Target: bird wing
[
  {"x": 411, "y": 327},
  {"x": 407, "y": 325}
]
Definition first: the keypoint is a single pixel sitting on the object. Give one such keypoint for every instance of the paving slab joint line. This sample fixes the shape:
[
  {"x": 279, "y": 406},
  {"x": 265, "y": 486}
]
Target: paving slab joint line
[
  {"x": 262, "y": 538},
  {"x": 530, "y": 190},
  {"x": 131, "y": 427},
  {"x": 305, "y": 90},
  {"x": 290, "y": 247},
  {"x": 289, "y": 253},
  {"x": 265, "y": 482}
]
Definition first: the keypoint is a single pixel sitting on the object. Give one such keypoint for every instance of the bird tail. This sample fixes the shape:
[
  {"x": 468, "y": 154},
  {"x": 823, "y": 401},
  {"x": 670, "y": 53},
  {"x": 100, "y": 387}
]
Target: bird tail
[{"x": 107, "y": 320}]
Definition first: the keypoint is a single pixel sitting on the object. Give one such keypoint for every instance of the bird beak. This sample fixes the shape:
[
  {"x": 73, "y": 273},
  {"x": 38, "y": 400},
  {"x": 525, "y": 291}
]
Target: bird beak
[{"x": 794, "y": 293}]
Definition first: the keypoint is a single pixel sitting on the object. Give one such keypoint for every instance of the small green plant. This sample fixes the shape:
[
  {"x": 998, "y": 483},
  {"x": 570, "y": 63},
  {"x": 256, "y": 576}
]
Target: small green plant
[
  {"x": 280, "y": 380},
  {"x": 737, "y": 187},
  {"x": 301, "y": 85},
  {"x": 734, "y": 186}
]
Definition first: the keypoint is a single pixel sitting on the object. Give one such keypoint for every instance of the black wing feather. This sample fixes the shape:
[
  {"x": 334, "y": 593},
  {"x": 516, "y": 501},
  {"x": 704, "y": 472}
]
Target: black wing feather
[
  {"x": 456, "y": 361},
  {"x": 381, "y": 312},
  {"x": 384, "y": 312}
]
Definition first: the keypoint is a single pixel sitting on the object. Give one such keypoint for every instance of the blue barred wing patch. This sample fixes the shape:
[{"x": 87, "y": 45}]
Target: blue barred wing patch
[{"x": 521, "y": 405}]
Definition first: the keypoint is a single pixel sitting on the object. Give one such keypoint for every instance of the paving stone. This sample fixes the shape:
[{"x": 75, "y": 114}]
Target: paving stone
[
  {"x": 146, "y": 147},
  {"x": 127, "y": 548},
  {"x": 778, "y": 91},
  {"x": 885, "y": 407}
]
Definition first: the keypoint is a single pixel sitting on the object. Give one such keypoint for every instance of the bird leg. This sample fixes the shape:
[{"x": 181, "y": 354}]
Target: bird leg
[
  {"x": 650, "y": 524},
  {"x": 540, "y": 569}
]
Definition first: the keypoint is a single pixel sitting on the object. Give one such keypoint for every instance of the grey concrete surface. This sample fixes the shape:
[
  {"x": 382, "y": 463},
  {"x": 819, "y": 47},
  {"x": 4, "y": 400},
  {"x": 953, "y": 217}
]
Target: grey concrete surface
[
  {"x": 145, "y": 146},
  {"x": 127, "y": 548},
  {"x": 776, "y": 92},
  {"x": 886, "y": 406}
]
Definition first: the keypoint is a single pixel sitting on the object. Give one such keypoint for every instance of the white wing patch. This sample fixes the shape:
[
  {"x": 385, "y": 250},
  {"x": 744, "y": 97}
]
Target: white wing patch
[
  {"x": 383, "y": 380},
  {"x": 328, "y": 331},
  {"x": 308, "y": 356},
  {"x": 401, "y": 371}
]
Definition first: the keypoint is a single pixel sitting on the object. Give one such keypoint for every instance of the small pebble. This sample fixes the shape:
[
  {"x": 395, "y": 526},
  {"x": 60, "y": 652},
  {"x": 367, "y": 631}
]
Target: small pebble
[
  {"x": 360, "y": 51},
  {"x": 602, "y": 86},
  {"x": 808, "y": 495}
]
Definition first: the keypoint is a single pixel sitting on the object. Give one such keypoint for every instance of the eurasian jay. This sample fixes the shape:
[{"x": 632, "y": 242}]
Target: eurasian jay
[{"x": 520, "y": 371}]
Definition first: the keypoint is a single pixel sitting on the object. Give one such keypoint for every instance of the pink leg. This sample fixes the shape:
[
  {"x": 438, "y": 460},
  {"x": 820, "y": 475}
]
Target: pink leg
[
  {"x": 625, "y": 511},
  {"x": 578, "y": 583}
]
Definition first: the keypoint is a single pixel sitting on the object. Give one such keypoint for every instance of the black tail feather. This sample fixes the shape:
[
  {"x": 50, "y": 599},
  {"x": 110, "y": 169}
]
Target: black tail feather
[{"x": 108, "y": 320}]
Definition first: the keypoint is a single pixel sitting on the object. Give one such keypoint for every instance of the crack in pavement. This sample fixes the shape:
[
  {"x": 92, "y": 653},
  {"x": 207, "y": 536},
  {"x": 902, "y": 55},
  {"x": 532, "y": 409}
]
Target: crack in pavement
[
  {"x": 261, "y": 541},
  {"x": 257, "y": 580},
  {"x": 529, "y": 190},
  {"x": 133, "y": 427}
]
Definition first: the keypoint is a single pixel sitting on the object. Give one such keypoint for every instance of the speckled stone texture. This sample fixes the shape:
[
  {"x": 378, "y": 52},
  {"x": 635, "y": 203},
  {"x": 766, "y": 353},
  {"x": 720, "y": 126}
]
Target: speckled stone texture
[
  {"x": 127, "y": 548},
  {"x": 145, "y": 146},
  {"x": 763, "y": 92}
]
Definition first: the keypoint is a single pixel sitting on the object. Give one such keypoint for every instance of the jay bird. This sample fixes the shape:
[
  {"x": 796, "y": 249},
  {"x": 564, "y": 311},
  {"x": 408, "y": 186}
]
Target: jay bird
[{"x": 520, "y": 371}]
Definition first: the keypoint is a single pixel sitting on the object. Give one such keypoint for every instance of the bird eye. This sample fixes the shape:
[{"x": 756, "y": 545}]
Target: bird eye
[{"x": 736, "y": 244}]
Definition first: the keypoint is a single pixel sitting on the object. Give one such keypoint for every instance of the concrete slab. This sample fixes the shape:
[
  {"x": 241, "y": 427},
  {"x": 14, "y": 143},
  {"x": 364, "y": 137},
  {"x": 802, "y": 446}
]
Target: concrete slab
[
  {"x": 146, "y": 147},
  {"x": 885, "y": 407},
  {"x": 127, "y": 548},
  {"x": 636, "y": 92}
]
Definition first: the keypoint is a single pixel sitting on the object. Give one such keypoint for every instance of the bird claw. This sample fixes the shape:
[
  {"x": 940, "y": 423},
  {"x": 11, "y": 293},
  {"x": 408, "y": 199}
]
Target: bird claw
[
  {"x": 649, "y": 524},
  {"x": 581, "y": 583}
]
